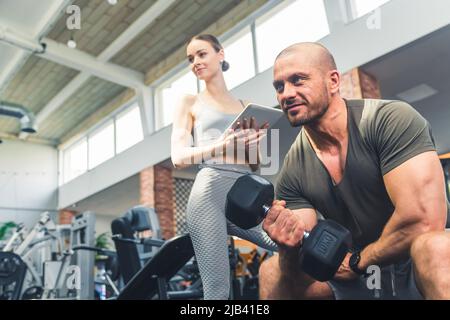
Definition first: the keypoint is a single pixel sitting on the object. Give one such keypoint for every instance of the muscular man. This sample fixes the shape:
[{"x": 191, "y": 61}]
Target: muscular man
[{"x": 370, "y": 165}]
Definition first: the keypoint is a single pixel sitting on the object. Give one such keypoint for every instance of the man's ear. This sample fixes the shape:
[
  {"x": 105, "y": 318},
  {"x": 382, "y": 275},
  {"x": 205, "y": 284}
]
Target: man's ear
[{"x": 334, "y": 79}]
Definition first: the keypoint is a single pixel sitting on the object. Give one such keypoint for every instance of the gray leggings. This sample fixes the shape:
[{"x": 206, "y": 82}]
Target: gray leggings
[{"x": 209, "y": 228}]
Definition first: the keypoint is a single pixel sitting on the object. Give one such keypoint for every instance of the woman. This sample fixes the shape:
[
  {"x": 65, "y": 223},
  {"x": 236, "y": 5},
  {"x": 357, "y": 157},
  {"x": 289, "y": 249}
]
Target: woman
[{"x": 204, "y": 118}]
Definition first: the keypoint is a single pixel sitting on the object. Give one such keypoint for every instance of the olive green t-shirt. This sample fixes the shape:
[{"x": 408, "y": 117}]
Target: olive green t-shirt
[{"x": 390, "y": 133}]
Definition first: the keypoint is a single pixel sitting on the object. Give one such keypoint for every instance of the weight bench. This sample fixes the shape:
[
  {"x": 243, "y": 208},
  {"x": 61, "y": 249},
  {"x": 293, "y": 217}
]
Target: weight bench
[{"x": 153, "y": 277}]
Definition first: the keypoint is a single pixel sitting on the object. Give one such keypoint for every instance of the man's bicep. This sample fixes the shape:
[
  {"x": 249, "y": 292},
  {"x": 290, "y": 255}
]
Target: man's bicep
[{"x": 417, "y": 190}]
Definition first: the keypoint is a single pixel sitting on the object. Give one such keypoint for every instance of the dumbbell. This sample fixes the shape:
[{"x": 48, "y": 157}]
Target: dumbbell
[{"x": 323, "y": 248}]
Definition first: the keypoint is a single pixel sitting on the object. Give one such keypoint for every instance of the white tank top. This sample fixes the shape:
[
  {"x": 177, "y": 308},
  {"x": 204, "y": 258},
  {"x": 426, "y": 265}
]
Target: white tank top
[{"x": 209, "y": 125}]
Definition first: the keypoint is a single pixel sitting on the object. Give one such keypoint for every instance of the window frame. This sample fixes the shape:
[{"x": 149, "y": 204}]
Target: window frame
[
  {"x": 262, "y": 19},
  {"x": 130, "y": 107},
  {"x": 352, "y": 9},
  {"x": 170, "y": 78},
  {"x": 65, "y": 178},
  {"x": 98, "y": 129}
]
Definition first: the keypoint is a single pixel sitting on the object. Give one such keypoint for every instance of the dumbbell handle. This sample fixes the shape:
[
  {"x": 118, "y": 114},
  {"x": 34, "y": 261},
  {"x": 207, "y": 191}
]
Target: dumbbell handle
[{"x": 266, "y": 210}]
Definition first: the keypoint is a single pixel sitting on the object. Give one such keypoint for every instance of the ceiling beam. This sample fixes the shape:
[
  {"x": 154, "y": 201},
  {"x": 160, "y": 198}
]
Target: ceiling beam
[
  {"x": 135, "y": 29},
  {"x": 72, "y": 58},
  {"x": 146, "y": 108},
  {"x": 55, "y": 10},
  {"x": 115, "y": 47},
  {"x": 84, "y": 62},
  {"x": 15, "y": 62}
]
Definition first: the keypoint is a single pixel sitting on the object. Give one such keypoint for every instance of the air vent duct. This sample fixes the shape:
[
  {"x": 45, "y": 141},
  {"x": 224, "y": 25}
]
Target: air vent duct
[{"x": 26, "y": 117}]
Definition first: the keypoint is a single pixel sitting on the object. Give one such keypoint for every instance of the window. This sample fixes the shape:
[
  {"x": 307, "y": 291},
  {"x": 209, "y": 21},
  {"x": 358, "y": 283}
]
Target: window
[
  {"x": 169, "y": 95},
  {"x": 128, "y": 129},
  {"x": 101, "y": 145},
  {"x": 125, "y": 132},
  {"x": 302, "y": 20},
  {"x": 75, "y": 160},
  {"x": 362, "y": 7},
  {"x": 239, "y": 54}
]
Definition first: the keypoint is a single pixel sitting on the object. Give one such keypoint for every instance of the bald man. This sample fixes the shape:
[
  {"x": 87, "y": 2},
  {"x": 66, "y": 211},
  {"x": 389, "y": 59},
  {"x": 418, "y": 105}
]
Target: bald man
[{"x": 370, "y": 165}]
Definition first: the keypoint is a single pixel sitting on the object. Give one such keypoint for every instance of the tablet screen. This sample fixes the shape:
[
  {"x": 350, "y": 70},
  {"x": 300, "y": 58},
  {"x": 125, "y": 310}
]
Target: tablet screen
[{"x": 260, "y": 113}]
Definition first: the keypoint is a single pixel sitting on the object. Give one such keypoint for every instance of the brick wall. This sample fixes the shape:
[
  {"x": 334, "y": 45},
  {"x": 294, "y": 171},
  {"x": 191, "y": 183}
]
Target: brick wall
[
  {"x": 358, "y": 84},
  {"x": 369, "y": 85},
  {"x": 156, "y": 191},
  {"x": 164, "y": 200},
  {"x": 65, "y": 216},
  {"x": 146, "y": 183}
]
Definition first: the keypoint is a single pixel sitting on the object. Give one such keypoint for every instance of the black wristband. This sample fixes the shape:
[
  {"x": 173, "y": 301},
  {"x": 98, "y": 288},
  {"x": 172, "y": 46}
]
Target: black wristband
[{"x": 355, "y": 258}]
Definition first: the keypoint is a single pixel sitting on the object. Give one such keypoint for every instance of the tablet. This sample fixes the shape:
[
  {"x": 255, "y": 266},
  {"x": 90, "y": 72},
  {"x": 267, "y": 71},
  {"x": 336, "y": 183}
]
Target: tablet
[{"x": 260, "y": 113}]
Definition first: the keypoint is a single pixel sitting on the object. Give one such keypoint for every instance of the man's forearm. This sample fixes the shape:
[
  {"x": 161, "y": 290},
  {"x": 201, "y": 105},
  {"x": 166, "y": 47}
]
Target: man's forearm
[{"x": 394, "y": 244}]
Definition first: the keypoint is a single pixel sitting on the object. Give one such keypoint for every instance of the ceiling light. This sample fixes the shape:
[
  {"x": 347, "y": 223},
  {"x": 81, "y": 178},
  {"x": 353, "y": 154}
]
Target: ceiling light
[
  {"x": 71, "y": 44},
  {"x": 112, "y": 2},
  {"x": 417, "y": 93}
]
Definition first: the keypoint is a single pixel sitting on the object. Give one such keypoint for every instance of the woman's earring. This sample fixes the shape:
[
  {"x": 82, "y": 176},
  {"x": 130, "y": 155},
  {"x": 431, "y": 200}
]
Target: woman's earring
[{"x": 225, "y": 65}]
